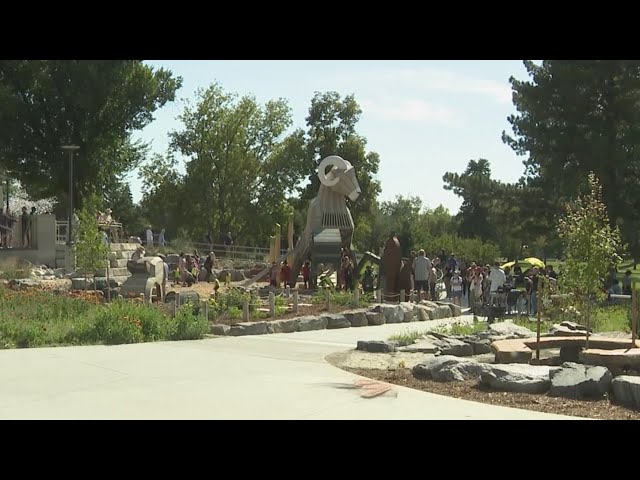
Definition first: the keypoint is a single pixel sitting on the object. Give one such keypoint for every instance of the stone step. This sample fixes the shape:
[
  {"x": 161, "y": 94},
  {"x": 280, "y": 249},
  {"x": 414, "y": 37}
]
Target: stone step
[
  {"x": 123, "y": 247},
  {"x": 118, "y": 262},
  {"x": 113, "y": 272},
  {"x": 123, "y": 255}
]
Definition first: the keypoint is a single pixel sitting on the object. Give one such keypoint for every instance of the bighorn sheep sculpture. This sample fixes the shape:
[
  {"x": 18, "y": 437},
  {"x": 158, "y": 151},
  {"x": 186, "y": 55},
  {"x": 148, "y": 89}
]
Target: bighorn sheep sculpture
[{"x": 328, "y": 211}]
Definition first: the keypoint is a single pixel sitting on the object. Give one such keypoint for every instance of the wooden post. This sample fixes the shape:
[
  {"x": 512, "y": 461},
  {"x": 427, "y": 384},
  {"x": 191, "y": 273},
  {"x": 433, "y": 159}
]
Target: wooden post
[
  {"x": 295, "y": 301},
  {"x": 272, "y": 304},
  {"x": 287, "y": 290},
  {"x": 634, "y": 315},
  {"x": 588, "y": 306},
  {"x": 379, "y": 296},
  {"x": 401, "y": 296},
  {"x": 541, "y": 285},
  {"x": 245, "y": 310},
  {"x": 205, "y": 309},
  {"x": 327, "y": 299},
  {"x": 175, "y": 306},
  {"x": 356, "y": 297},
  {"x": 177, "y": 302},
  {"x": 108, "y": 286}
]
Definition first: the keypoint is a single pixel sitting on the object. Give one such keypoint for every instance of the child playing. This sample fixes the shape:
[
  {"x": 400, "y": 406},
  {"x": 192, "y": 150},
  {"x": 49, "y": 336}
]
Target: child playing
[{"x": 456, "y": 287}]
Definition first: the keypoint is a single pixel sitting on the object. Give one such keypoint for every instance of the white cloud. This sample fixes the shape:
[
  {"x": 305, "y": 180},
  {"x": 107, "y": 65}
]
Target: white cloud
[
  {"x": 451, "y": 82},
  {"x": 414, "y": 109},
  {"x": 423, "y": 80}
]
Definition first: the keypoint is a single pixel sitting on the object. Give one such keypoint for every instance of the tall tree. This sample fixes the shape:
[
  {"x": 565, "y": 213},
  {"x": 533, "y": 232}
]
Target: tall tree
[
  {"x": 95, "y": 104},
  {"x": 577, "y": 116},
  {"x": 240, "y": 166}
]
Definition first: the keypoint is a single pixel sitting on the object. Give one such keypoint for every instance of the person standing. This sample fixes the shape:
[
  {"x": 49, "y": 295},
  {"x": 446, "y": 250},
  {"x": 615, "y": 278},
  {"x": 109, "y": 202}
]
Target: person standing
[
  {"x": 161, "y": 239},
  {"x": 149, "y": 237},
  {"x": 456, "y": 288},
  {"x": 421, "y": 272}
]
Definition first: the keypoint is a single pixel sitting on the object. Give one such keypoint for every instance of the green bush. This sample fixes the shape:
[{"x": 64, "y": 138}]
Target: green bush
[{"x": 187, "y": 326}]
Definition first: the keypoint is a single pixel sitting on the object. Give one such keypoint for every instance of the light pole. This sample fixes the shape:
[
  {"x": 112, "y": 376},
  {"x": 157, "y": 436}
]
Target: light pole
[{"x": 70, "y": 149}]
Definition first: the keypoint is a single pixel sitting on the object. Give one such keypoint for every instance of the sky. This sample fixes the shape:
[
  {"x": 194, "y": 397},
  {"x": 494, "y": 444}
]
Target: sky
[{"x": 424, "y": 118}]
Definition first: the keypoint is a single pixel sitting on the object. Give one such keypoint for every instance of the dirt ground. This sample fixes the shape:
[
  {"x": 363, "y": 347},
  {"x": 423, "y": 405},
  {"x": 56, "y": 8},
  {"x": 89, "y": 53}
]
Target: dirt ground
[{"x": 471, "y": 390}]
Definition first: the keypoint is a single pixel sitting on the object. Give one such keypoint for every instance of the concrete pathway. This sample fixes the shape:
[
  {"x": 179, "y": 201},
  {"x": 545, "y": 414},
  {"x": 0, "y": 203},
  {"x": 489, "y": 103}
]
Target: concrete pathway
[{"x": 281, "y": 376}]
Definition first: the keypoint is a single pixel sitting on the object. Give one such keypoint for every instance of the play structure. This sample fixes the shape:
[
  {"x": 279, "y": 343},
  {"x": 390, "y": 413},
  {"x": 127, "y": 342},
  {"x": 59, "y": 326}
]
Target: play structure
[{"x": 147, "y": 277}]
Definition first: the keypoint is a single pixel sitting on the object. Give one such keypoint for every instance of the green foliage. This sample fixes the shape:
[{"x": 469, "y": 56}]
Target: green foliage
[
  {"x": 187, "y": 324},
  {"x": 576, "y": 117},
  {"x": 95, "y": 104},
  {"x": 591, "y": 245},
  {"x": 91, "y": 252},
  {"x": 37, "y": 318}
]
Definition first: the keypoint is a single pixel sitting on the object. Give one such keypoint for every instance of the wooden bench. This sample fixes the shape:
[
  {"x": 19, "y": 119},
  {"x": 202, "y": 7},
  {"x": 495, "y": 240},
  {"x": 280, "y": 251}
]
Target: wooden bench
[{"x": 628, "y": 358}]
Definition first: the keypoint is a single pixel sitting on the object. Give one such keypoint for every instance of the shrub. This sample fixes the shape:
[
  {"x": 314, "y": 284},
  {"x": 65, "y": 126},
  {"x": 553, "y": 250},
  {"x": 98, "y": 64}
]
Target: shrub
[{"x": 187, "y": 326}]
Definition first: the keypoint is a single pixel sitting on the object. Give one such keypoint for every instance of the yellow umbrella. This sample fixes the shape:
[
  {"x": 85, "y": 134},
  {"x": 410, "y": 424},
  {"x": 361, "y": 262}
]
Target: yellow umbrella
[
  {"x": 508, "y": 265},
  {"x": 534, "y": 262}
]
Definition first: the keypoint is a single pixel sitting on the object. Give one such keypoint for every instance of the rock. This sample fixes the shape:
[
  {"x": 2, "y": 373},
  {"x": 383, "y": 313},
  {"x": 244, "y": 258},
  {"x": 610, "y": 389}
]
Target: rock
[
  {"x": 375, "y": 318},
  {"x": 450, "y": 346},
  {"x": 306, "y": 324},
  {"x": 441, "y": 311},
  {"x": 424, "y": 313},
  {"x": 186, "y": 296},
  {"x": 407, "y": 312},
  {"x": 560, "y": 331},
  {"x": 219, "y": 329},
  {"x": 456, "y": 311},
  {"x": 420, "y": 346},
  {"x": 626, "y": 391},
  {"x": 81, "y": 283},
  {"x": 479, "y": 345},
  {"x": 283, "y": 326},
  {"x": 376, "y": 346},
  {"x": 392, "y": 313},
  {"x": 21, "y": 283},
  {"x": 339, "y": 321},
  {"x": 428, "y": 303},
  {"x": 248, "y": 328},
  {"x": 508, "y": 328},
  {"x": 578, "y": 381},
  {"x": 570, "y": 354},
  {"x": 356, "y": 318},
  {"x": 236, "y": 275},
  {"x": 574, "y": 326},
  {"x": 516, "y": 377},
  {"x": 101, "y": 283},
  {"x": 448, "y": 368}
]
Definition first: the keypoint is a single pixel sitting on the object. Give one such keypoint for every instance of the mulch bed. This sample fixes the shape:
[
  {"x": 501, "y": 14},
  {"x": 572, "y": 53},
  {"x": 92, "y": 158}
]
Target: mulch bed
[{"x": 472, "y": 390}]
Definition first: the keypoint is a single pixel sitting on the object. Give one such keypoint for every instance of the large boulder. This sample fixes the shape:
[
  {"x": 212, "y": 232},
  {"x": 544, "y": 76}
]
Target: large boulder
[
  {"x": 449, "y": 346},
  {"x": 356, "y": 318},
  {"x": 219, "y": 329},
  {"x": 392, "y": 313},
  {"x": 337, "y": 320},
  {"x": 408, "y": 311},
  {"x": 579, "y": 381},
  {"x": 626, "y": 391},
  {"x": 420, "y": 346},
  {"x": 236, "y": 275},
  {"x": 306, "y": 324},
  {"x": 424, "y": 313},
  {"x": 288, "y": 325},
  {"x": 448, "y": 368},
  {"x": 248, "y": 328},
  {"x": 376, "y": 346},
  {"x": 375, "y": 318},
  {"x": 456, "y": 310},
  {"x": 479, "y": 345},
  {"x": 510, "y": 329},
  {"x": 516, "y": 377}
]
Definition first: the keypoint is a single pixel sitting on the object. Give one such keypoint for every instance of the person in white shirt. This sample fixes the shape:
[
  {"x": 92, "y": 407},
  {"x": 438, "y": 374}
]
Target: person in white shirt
[
  {"x": 149, "y": 235},
  {"x": 497, "y": 278},
  {"x": 456, "y": 287},
  {"x": 421, "y": 269}
]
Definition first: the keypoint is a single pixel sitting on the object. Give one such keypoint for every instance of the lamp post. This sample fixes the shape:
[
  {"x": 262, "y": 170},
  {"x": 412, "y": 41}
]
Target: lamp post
[{"x": 70, "y": 149}]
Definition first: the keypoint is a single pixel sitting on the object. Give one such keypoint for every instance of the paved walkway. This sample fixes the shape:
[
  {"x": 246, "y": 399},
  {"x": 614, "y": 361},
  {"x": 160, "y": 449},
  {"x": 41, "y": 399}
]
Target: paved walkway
[{"x": 281, "y": 376}]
